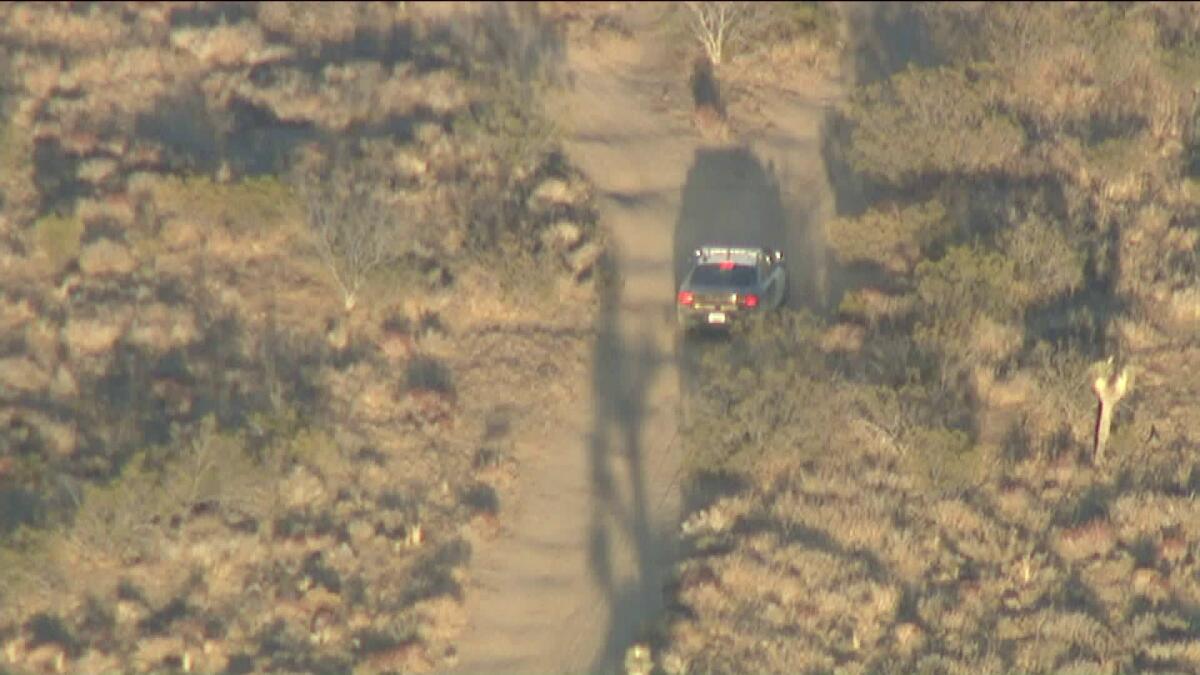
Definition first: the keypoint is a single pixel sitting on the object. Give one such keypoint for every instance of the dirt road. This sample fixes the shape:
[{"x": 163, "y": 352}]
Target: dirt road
[{"x": 593, "y": 533}]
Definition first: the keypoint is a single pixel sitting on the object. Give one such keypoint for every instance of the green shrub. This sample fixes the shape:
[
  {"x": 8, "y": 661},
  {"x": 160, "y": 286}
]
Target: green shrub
[
  {"x": 930, "y": 122},
  {"x": 817, "y": 19},
  {"x": 425, "y": 373},
  {"x": 250, "y": 204},
  {"x": 510, "y": 126},
  {"x": 58, "y": 236},
  {"x": 1119, "y": 157},
  {"x": 967, "y": 279},
  {"x": 968, "y": 284},
  {"x": 28, "y": 563},
  {"x": 1182, "y": 63},
  {"x": 1046, "y": 263},
  {"x": 944, "y": 459},
  {"x": 766, "y": 392},
  {"x": 891, "y": 237},
  {"x": 126, "y": 517}
]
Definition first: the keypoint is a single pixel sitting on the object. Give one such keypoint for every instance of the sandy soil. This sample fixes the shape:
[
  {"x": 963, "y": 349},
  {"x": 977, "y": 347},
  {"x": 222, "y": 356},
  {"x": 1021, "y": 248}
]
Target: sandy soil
[{"x": 588, "y": 541}]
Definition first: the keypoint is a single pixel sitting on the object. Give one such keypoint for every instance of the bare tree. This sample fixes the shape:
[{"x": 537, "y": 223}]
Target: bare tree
[
  {"x": 716, "y": 24},
  {"x": 356, "y": 230}
]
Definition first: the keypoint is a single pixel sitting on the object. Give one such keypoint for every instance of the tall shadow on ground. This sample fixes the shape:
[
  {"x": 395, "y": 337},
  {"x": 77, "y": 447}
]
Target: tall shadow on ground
[
  {"x": 728, "y": 198},
  {"x": 882, "y": 39},
  {"x": 622, "y": 518}
]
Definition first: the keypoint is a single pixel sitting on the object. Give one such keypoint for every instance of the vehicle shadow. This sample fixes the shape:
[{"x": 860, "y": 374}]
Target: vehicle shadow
[{"x": 729, "y": 197}]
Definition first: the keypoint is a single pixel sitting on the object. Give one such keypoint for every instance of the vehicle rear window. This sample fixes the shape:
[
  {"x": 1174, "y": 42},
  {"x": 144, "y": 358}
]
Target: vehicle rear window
[{"x": 714, "y": 275}]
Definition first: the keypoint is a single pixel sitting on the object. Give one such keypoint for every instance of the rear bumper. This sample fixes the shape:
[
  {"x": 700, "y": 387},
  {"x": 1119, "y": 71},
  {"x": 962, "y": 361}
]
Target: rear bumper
[{"x": 690, "y": 317}]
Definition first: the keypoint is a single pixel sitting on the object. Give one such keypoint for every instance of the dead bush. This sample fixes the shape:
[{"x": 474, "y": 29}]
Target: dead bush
[
  {"x": 355, "y": 227},
  {"x": 717, "y": 26},
  {"x": 314, "y": 27}
]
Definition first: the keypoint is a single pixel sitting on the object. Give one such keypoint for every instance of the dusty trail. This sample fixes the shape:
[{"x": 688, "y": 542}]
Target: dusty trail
[{"x": 593, "y": 532}]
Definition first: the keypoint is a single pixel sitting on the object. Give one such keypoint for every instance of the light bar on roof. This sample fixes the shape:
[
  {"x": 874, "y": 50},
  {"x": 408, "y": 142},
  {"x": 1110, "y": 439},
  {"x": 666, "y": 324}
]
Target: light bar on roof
[{"x": 727, "y": 253}]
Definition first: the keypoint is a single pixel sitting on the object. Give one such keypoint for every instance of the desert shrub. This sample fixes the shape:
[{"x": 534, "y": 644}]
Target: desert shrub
[
  {"x": 480, "y": 498},
  {"x": 929, "y": 122},
  {"x": 156, "y": 491},
  {"x": 956, "y": 292},
  {"x": 215, "y": 468},
  {"x": 1046, "y": 262},
  {"x": 247, "y": 205},
  {"x": 765, "y": 392},
  {"x": 1062, "y": 410},
  {"x": 58, "y": 236},
  {"x": 46, "y": 628},
  {"x": 64, "y": 28},
  {"x": 19, "y": 195},
  {"x": 223, "y": 45},
  {"x": 501, "y": 213},
  {"x": 505, "y": 42},
  {"x": 97, "y": 616},
  {"x": 28, "y": 564},
  {"x": 311, "y": 27},
  {"x": 285, "y": 644},
  {"x": 355, "y": 227},
  {"x": 944, "y": 459},
  {"x": 893, "y": 238},
  {"x": 433, "y": 573},
  {"x": 509, "y": 126},
  {"x": 788, "y": 20},
  {"x": 301, "y": 442},
  {"x": 1119, "y": 158},
  {"x": 424, "y": 373}
]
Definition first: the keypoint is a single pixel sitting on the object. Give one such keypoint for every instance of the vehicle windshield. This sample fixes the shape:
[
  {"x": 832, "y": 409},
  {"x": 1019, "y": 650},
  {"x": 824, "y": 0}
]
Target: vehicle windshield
[{"x": 737, "y": 276}]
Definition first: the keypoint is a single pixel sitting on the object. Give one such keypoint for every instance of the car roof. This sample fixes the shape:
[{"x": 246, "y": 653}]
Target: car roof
[{"x": 738, "y": 255}]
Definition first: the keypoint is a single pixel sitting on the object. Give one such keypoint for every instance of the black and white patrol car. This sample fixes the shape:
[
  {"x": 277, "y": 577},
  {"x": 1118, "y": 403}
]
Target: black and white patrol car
[{"x": 727, "y": 282}]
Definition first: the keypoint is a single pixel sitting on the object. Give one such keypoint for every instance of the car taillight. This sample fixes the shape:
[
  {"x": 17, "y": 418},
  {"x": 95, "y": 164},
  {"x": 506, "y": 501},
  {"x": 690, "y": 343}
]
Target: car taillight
[
  {"x": 749, "y": 300},
  {"x": 686, "y": 297}
]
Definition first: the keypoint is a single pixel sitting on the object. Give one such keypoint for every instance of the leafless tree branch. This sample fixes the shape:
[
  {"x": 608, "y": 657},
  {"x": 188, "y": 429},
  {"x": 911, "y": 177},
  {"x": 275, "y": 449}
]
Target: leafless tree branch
[
  {"x": 716, "y": 24},
  {"x": 355, "y": 228}
]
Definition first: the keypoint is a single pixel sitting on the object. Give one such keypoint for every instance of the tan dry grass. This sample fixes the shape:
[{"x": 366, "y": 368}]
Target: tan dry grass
[
  {"x": 58, "y": 27},
  {"x": 224, "y": 46},
  {"x": 244, "y": 240},
  {"x": 311, "y": 26}
]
